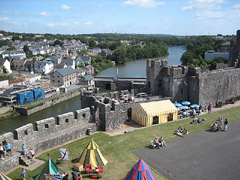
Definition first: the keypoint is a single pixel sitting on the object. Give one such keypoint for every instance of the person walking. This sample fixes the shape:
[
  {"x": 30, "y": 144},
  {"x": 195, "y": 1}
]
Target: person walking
[
  {"x": 23, "y": 174},
  {"x": 209, "y": 108},
  {"x": 24, "y": 150},
  {"x": 8, "y": 148}
]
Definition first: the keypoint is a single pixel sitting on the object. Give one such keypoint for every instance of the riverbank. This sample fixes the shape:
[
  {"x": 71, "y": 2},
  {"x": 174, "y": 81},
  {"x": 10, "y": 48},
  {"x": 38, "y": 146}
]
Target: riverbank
[
  {"x": 137, "y": 69},
  {"x": 8, "y": 114},
  {"x": 40, "y": 105}
]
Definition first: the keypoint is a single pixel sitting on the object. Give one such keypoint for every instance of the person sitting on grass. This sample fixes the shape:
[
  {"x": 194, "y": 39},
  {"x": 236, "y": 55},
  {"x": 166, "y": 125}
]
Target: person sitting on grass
[
  {"x": 179, "y": 132},
  {"x": 156, "y": 142},
  {"x": 194, "y": 120},
  {"x": 162, "y": 141},
  {"x": 220, "y": 120},
  {"x": 198, "y": 120},
  {"x": 185, "y": 131},
  {"x": 214, "y": 127}
]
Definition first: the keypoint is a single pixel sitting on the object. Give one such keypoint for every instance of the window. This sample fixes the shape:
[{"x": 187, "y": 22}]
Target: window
[
  {"x": 66, "y": 120},
  {"x": 58, "y": 81},
  {"x": 83, "y": 115},
  {"x": 46, "y": 126},
  {"x": 26, "y": 132}
]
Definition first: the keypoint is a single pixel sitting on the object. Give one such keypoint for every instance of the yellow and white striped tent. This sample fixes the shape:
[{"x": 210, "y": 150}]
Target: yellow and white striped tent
[
  {"x": 92, "y": 155},
  {"x": 145, "y": 113}
]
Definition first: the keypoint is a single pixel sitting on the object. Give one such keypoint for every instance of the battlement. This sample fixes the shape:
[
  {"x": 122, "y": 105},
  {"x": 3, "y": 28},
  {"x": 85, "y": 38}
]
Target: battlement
[{"x": 47, "y": 133}]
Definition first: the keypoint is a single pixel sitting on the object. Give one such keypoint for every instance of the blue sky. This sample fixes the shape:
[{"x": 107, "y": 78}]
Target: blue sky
[{"x": 176, "y": 17}]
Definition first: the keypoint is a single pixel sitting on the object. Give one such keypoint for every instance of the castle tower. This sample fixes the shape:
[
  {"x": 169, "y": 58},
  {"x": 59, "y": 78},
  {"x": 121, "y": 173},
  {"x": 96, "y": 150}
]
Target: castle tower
[
  {"x": 153, "y": 69},
  {"x": 234, "y": 51}
]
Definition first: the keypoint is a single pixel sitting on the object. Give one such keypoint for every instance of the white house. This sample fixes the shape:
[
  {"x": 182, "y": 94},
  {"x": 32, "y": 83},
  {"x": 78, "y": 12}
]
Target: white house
[
  {"x": 6, "y": 66},
  {"x": 83, "y": 59},
  {"x": 44, "y": 67},
  {"x": 69, "y": 62},
  {"x": 20, "y": 54}
]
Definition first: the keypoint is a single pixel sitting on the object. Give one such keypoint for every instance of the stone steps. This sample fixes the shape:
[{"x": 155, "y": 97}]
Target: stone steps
[{"x": 25, "y": 161}]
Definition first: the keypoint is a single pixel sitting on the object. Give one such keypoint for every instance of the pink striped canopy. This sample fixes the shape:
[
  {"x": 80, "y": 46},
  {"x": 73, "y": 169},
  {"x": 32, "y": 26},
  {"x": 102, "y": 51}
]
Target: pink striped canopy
[{"x": 140, "y": 171}]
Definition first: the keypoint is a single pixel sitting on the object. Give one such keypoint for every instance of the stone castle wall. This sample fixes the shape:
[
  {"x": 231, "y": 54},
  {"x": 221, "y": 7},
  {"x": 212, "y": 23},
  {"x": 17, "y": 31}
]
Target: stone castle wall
[
  {"x": 46, "y": 133},
  {"x": 194, "y": 84},
  {"x": 219, "y": 85}
]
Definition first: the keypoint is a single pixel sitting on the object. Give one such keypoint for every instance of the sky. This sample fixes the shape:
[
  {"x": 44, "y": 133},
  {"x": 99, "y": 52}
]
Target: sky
[{"x": 175, "y": 17}]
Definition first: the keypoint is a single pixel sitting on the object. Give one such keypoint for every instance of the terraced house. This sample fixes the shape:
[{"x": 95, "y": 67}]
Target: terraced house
[{"x": 64, "y": 77}]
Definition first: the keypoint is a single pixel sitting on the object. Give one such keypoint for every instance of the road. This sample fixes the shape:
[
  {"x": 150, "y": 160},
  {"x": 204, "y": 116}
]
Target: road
[{"x": 201, "y": 156}]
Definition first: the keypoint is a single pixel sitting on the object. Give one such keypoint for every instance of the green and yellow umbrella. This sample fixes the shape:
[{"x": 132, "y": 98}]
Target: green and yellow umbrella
[
  {"x": 4, "y": 177},
  {"x": 92, "y": 155}
]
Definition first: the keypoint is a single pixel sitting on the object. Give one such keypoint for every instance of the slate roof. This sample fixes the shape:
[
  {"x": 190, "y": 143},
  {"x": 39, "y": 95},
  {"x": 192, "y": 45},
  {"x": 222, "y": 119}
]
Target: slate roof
[
  {"x": 88, "y": 78},
  {"x": 66, "y": 71},
  {"x": 2, "y": 62}
]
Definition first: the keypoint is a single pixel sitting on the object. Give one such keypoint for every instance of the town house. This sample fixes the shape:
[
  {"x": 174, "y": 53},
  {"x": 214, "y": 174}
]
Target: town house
[{"x": 64, "y": 77}]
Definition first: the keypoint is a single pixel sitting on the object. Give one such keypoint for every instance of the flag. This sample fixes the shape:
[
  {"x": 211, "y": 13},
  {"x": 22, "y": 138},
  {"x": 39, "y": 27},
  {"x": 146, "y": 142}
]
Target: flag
[{"x": 64, "y": 153}]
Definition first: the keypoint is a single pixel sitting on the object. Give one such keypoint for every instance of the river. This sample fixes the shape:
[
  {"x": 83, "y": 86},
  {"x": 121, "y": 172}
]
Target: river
[
  {"x": 9, "y": 124},
  {"x": 135, "y": 69}
]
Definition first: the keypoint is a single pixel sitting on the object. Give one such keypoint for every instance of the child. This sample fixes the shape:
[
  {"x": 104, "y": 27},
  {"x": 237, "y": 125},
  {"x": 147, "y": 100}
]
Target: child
[
  {"x": 23, "y": 174},
  {"x": 32, "y": 153}
]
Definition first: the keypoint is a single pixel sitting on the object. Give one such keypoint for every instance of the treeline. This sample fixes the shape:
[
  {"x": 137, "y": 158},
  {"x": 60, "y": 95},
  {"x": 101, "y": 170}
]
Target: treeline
[
  {"x": 196, "y": 48},
  {"x": 100, "y": 63},
  {"x": 124, "y": 54}
]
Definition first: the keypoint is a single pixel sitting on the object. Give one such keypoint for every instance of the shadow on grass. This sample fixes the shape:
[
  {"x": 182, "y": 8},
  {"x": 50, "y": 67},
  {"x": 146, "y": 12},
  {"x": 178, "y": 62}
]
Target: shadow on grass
[{"x": 76, "y": 160}]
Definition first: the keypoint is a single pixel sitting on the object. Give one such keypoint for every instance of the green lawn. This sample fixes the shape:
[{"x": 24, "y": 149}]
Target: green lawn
[{"x": 117, "y": 149}]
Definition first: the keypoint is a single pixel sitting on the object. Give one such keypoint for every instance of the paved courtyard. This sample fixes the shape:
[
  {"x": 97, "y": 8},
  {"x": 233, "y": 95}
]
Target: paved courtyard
[{"x": 201, "y": 156}]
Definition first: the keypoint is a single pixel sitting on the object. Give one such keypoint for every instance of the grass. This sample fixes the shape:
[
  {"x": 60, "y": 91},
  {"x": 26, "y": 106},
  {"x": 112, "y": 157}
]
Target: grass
[
  {"x": 8, "y": 114},
  {"x": 34, "y": 105},
  {"x": 117, "y": 149}
]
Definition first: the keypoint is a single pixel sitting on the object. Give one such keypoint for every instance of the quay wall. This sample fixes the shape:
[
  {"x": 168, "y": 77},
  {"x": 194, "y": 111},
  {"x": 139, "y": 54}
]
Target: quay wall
[
  {"x": 45, "y": 134},
  {"x": 47, "y": 103}
]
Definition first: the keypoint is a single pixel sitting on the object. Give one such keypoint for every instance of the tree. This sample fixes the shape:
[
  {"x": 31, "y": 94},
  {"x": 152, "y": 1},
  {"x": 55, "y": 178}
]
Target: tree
[
  {"x": 58, "y": 42},
  {"x": 187, "y": 58},
  {"x": 119, "y": 55},
  {"x": 25, "y": 48},
  {"x": 92, "y": 43}
]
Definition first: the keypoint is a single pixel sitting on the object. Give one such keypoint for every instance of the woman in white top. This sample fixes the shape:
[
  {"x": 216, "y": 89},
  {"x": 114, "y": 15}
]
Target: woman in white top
[{"x": 1, "y": 151}]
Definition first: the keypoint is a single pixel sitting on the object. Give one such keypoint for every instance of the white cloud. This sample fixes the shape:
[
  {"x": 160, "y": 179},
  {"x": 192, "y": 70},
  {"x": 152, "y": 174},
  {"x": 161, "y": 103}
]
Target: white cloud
[
  {"x": 210, "y": 1},
  {"x": 11, "y": 12},
  {"x": 144, "y": 3},
  {"x": 187, "y": 8},
  {"x": 202, "y": 5},
  {"x": 4, "y": 19},
  {"x": 65, "y": 7},
  {"x": 212, "y": 9},
  {"x": 63, "y": 24},
  {"x": 45, "y": 14},
  {"x": 51, "y": 25},
  {"x": 237, "y": 6},
  {"x": 98, "y": 5},
  {"x": 88, "y": 23}
]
